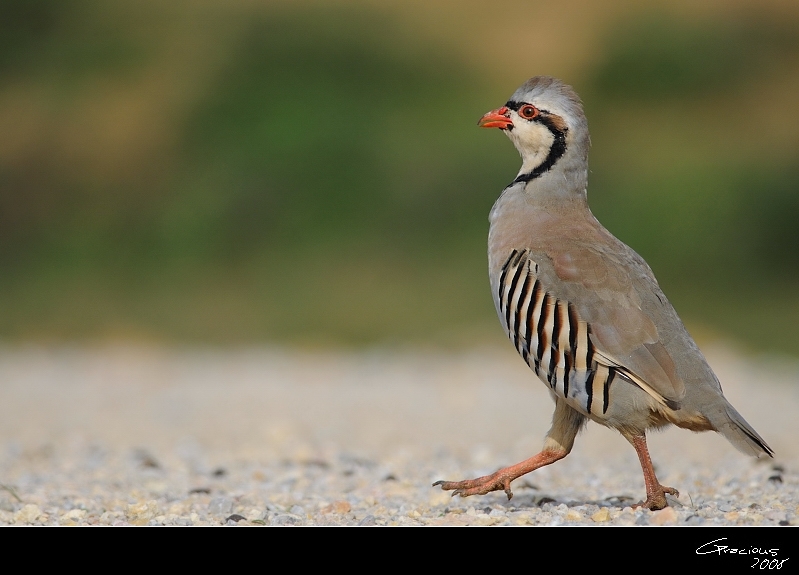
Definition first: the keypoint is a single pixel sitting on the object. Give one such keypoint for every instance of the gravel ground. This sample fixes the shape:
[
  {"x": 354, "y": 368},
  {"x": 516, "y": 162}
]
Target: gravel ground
[{"x": 145, "y": 436}]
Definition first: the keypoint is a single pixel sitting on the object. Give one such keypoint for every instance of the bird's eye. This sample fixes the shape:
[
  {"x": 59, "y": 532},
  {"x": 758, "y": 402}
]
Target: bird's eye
[{"x": 528, "y": 111}]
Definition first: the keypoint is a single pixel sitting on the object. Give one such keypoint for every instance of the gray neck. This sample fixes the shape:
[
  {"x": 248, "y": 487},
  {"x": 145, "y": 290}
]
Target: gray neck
[{"x": 566, "y": 181}]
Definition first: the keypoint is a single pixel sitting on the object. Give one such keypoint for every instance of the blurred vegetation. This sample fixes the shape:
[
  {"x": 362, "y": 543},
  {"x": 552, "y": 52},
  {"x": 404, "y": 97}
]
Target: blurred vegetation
[
  {"x": 702, "y": 181},
  {"x": 656, "y": 56},
  {"x": 311, "y": 173}
]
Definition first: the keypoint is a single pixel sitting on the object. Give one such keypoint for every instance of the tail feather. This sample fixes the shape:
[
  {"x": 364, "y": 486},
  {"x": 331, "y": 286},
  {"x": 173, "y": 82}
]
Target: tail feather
[{"x": 738, "y": 432}]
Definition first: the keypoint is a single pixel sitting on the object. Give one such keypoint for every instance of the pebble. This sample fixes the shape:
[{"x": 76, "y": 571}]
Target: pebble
[
  {"x": 602, "y": 515},
  {"x": 286, "y": 519},
  {"x": 667, "y": 516},
  {"x": 28, "y": 514},
  {"x": 220, "y": 506},
  {"x": 572, "y": 515},
  {"x": 161, "y": 447},
  {"x": 73, "y": 517},
  {"x": 142, "y": 513}
]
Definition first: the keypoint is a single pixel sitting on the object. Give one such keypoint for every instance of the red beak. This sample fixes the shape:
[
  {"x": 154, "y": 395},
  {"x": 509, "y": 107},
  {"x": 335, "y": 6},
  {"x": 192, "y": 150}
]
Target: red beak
[{"x": 496, "y": 119}]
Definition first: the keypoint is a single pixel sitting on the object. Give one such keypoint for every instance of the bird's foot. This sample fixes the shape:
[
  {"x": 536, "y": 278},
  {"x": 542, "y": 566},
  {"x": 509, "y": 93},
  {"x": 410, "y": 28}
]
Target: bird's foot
[
  {"x": 499, "y": 481},
  {"x": 656, "y": 499}
]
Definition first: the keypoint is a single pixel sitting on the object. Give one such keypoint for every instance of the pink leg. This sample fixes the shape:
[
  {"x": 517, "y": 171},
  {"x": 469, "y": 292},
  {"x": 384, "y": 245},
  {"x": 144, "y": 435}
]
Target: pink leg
[
  {"x": 502, "y": 478},
  {"x": 655, "y": 492},
  {"x": 566, "y": 423}
]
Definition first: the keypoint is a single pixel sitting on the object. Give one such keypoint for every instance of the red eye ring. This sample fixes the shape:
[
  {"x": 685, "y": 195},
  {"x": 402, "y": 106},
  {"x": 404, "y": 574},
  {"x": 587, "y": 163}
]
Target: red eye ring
[{"x": 528, "y": 111}]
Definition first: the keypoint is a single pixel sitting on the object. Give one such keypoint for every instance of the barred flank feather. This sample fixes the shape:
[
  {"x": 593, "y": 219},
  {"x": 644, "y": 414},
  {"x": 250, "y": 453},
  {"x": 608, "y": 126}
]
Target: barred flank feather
[{"x": 551, "y": 338}]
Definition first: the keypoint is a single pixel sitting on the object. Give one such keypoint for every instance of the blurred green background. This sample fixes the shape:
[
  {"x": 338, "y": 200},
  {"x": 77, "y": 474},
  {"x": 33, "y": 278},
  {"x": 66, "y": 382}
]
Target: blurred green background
[{"x": 311, "y": 173}]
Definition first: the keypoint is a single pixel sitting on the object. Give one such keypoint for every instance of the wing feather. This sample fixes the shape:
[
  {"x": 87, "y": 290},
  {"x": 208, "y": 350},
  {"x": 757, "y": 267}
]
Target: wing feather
[{"x": 619, "y": 310}]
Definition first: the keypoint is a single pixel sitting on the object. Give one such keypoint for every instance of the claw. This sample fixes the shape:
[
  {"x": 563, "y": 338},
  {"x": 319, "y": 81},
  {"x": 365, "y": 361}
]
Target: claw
[
  {"x": 656, "y": 501},
  {"x": 507, "y": 490}
]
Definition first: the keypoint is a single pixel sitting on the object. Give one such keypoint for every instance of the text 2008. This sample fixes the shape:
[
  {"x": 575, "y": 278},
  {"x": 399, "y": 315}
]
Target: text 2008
[{"x": 767, "y": 563}]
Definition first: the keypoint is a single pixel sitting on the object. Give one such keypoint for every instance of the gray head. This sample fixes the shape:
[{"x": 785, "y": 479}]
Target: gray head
[{"x": 545, "y": 121}]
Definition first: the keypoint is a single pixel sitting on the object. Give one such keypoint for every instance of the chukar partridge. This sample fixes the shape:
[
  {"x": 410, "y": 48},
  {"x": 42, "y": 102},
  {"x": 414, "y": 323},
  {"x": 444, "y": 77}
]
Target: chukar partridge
[{"x": 583, "y": 309}]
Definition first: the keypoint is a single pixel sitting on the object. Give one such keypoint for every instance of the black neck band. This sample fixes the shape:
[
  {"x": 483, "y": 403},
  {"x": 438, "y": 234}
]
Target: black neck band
[{"x": 557, "y": 149}]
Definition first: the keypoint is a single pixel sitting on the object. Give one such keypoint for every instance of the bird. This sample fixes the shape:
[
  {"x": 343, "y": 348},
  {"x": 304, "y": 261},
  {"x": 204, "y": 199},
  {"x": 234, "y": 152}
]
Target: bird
[{"x": 583, "y": 309}]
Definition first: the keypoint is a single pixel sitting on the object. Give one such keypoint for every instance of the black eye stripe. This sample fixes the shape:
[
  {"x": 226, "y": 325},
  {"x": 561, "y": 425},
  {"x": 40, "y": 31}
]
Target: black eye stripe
[
  {"x": 516, "y": 106},
  {"x": 544, "y": 116}
]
